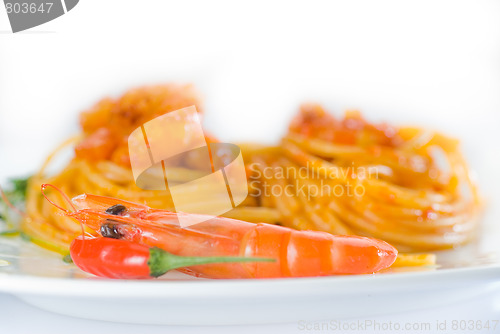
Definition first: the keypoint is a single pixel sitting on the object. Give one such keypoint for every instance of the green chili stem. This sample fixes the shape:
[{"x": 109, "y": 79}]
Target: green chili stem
[{"x": 161, "y": 261}]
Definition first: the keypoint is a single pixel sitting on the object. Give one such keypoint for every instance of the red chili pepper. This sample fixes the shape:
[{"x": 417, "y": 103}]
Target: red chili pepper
[{"x": 113, "y": 258}]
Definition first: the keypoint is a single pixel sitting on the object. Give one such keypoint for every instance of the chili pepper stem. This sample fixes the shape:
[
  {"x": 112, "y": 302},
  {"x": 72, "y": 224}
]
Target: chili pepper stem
[{"x": 161, "y": 261}]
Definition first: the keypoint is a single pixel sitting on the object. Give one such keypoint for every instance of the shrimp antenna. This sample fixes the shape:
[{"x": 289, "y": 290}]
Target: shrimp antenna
[
  {"x": 9, "y": 203},
  {"x": 66, "y": 198}
]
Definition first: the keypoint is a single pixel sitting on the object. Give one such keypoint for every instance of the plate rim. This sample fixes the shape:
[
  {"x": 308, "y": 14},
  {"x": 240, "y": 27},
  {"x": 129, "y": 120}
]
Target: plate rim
[{"x": 309, "y": 287}]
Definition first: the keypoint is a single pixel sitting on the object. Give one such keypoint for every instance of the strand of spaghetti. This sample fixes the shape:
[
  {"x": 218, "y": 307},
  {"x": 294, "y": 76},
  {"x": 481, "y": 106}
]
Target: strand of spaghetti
[{"x": 56, "y": 151}]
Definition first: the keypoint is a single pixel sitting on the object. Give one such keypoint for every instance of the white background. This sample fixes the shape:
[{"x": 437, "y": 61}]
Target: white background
[{"x": 433, "y": 63}]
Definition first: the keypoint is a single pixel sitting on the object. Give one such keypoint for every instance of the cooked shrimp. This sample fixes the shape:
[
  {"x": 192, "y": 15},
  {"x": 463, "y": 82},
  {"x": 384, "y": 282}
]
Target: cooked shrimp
[{"x": 297, "y": 253}]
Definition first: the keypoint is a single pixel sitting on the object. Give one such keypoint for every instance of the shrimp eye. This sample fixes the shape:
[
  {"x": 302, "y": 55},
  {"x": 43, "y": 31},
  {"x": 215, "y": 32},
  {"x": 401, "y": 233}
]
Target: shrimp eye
[
  {"x": 110, "y": 230},
  {"x": 116, "y": 209}
]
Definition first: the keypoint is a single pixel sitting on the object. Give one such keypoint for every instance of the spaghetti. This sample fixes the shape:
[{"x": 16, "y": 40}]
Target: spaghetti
[{"x": 407, "y": 186}]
